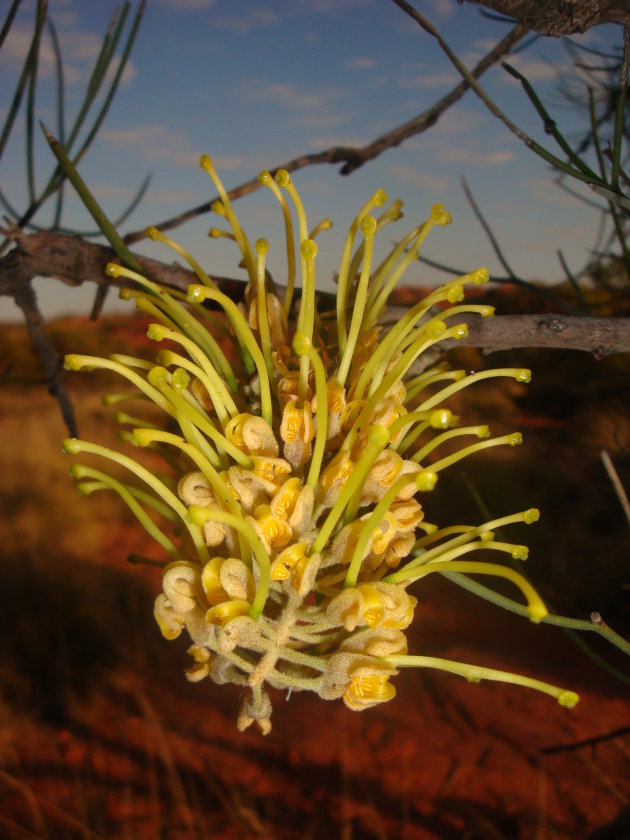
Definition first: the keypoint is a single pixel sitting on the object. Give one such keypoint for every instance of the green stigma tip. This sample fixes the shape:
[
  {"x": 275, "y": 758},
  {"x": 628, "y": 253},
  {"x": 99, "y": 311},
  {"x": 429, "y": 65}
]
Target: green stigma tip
[
  {"x": 180, "y": 379},
  {"x": 426, "y": 480},
  {"x": 195, "y": 293},
  {"x": 262, "y": 246},
  {"x": 155, "y": 332},
  {"x": 441, "y": 418},
  {"x": 112, "y": 270},
  {"x": 264, "y": 178},
  {"x": 368, "y": 226},
  {"x": 520, "y": 552},
  {"x": 308, "y": 249},
  {"x": 301, "y": 344},
  {"x": 460, "y": 331},
  {"x": 141, "y": 437},
  {"x": 455, "y": 294},
  {"x": 531, "y": 515},
  {"x": 436, "y": 329},
  {"x": 524, "y": 375},
  {"x": 480, "y": 276},
  {"x": 152, "y": 232},
  {"x": 569, "y": 699},
  {"x": 515, "y": 439},
  {"x": 380, "y": 197},
  {"x": 440, "y": 216},
  {"x": 537, "y": 612},
  {"x": 487, "y": 312},
  {"x": 72, "y": 362},
  {"x": 283, "y": 178},
  {"x": 71, "y": 446},
  {"x": 158, "y": 377},
  {"x": 205, "y": 162}
]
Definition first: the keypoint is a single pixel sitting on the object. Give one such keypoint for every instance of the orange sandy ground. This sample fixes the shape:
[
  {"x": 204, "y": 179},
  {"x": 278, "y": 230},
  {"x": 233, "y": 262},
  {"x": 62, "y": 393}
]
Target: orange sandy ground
[{"x": 101, "y": 736}]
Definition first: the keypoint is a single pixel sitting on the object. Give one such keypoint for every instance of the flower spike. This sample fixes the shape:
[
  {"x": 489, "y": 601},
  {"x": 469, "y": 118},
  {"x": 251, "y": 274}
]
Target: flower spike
[{"x": 291, "y": 520}]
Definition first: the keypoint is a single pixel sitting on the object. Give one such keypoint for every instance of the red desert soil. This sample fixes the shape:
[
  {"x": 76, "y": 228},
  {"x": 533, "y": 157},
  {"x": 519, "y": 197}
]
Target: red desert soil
[{"x": 101, "y": 736}]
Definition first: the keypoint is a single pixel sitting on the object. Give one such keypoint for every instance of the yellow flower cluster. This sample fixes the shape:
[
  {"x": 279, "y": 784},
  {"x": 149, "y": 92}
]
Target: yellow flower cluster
[{"x": 299, "y": 442}]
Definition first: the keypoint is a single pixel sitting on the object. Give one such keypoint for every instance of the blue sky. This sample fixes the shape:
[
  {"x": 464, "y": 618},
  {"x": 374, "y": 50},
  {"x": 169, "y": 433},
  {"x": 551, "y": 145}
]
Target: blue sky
[{"x": 257, "y": 83}]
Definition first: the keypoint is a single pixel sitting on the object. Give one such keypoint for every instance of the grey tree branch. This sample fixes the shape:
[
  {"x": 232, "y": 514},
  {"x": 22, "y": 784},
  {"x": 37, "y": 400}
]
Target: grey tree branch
[
  {"x": 15, "y": 280},
  {"x": 68, "y": 258}
]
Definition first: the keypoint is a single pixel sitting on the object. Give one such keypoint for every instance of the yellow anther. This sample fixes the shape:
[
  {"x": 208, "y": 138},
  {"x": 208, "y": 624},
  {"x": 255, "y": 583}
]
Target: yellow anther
[
  {"x": 270, "y": 469},
  {"x": 368, "y": 690},
  {"x": 223, "y": 613},
  {"x": 211, "y": 582},
  {"x": 283, "y": 503},
  {"x": 373, "y": 607},
  {"x": 285, "y": 562},
  {"x": 275, "y": 531},
  {"x": 297, "y": 423}
]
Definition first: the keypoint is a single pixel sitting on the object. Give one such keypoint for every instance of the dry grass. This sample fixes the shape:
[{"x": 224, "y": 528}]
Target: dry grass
[{"x": 102, "y": 737}]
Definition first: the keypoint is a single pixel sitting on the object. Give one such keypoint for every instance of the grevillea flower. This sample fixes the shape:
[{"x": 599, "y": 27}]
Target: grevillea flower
[{"x": 299, "y": 445}]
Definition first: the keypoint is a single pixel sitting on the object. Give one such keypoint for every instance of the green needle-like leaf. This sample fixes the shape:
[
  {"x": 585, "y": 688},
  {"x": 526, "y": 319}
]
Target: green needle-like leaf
[{"x": 91, "y": 204}]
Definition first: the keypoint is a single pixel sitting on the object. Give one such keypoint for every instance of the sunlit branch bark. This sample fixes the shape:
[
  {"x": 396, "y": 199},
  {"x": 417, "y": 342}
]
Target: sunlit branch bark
[
  {"x": 559, "y": 17},
  {"x": 75, "y": 261}
]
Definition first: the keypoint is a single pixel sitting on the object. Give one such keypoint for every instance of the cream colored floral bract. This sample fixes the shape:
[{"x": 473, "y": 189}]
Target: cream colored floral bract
[{"x": 299, "y": 445}]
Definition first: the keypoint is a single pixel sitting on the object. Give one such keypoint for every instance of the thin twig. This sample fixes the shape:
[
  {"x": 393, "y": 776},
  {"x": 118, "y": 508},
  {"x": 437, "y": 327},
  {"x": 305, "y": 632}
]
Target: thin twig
[
  {"x": 25, "y": 298},
  {"x": 488, "y": 230},
  {"x": 574, "y": 284},
  {"x": 494, "y": 109},
  {"x": 588, "y": 742},
  {"x": 616, "y": 483}
]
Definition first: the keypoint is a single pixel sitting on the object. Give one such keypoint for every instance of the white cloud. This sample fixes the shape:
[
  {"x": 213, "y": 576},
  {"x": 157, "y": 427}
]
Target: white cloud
[
  {"x": 442, "y": 9},
  {"x": 324, "y": 142},
  {"x": 156, "y": 141},
  {"x": 246, "y": 21},
  {"x": 534, "y": 69},
  {"x": 186, "y": 5},
  {"x": 360, "y": 63},
  {"x": 124, "y": 194},
  {"x": 287, "y": 94},
  {"x": 421, "y": 80},
  {"x": 468, "y": 155},
  {"x": 79, "y": 50},
  {"x": 172, "y": 196},
  {"x": 330, "y": 5},
  {"x": 319, "y": 121},
  {"x": 415, "y": 178},
  {"x": 102, "y": 191}
]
